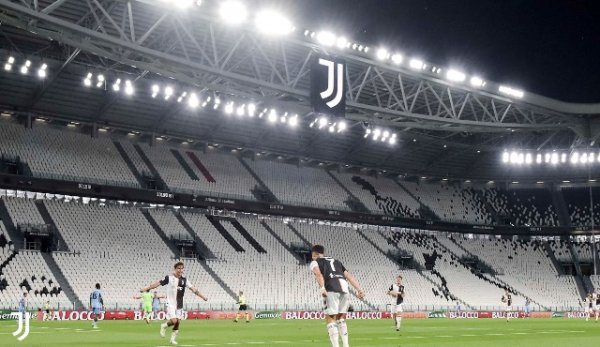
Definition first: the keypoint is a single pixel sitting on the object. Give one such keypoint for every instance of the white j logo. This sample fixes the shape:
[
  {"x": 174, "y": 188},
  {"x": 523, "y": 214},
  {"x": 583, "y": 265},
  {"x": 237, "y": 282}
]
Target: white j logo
[
  {"x": 20, "y": 326},
  {"x": 333, "y": 82}
]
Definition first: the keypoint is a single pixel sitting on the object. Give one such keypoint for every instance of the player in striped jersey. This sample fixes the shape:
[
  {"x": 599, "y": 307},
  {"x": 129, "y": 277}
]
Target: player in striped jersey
[
  {"x": 396, "y": 290},
  {"x": 332, "y": 278},
  {"x": 176, "y": 285}
]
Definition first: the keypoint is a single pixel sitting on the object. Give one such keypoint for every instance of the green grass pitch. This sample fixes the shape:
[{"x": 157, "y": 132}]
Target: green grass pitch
[{"x": 431, "y": 332}]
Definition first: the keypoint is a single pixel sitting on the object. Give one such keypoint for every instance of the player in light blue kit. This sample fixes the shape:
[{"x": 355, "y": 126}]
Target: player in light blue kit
[
  {"x": 96, "y": 304},
  {"x": 23, "y": 305}
]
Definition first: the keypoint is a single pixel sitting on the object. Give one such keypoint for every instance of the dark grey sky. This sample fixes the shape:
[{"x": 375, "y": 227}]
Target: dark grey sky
[{"x": 549, "y": 47}]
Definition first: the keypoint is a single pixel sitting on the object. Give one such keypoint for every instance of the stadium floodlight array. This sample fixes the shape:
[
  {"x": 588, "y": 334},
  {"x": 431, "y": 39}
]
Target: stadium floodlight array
[
  {"x": 334, "y": 127},
  {"x": 510, "y": 91},
  {"x": 100, "y": 81},
  {"x": 576, "y": 157},
  {"x": 42, "y": 72},
  {"x": 271, "y": 22},
  {"x": 328, "y": 39},
  {"x": 381, "y": 135},
  {"x": 233, "y": 12}
]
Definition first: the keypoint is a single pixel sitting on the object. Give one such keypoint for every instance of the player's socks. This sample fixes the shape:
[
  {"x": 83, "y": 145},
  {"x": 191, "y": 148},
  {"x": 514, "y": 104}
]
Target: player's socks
[
  {"x": 398, "y": 323},
  {"x": 163, "y": 329},
  {"x": 332, "y": 329},
  {"x": 247, "y": 317},
  {"x": 343, "y": 331},
  {"x": 174, "y": 336}
]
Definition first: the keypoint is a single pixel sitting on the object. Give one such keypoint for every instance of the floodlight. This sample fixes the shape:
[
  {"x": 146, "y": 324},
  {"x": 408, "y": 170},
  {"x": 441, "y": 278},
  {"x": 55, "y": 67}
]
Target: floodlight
[
  {"x": 326, "y": 38},
  {"x": 251, "y": 109},
  {"x": 42, "y": 73},
  {"x": 7, "y": 67},
  {"x": 382, "y": 54},
  {"x": 538, "y": 158},
  {"x": 117, "y": 85},
  {"x": 575, "y": 158},
  {"x": 323, "y": 122},
  {"x": 88, "y": 80},
  {"x": 229, "y": 108},
  {"x": 332, "y": 128},
  {"x": 511, "y": 91},
  {"x": 24, "y": 69},
  {"x": 528, "y": 159},
  {"x": 397, "y": 59},
  {"x": 240, "y": 111},
  {"x": 193, "y": 101},
  {"x": 233, "y": 12},
  {"x": 271, "y": 22},
  {"x": 563, "y": 158},
  {"x": 283, "y": 118},
  {"x": 341, "y": 126},
  {"x": 293, "y": 121},
  {"x": 514, "y": 157},
  {"x": 11, "y": 60},
  {"x": 392, "y": 140},
  {"x": 168, "y": 92},
  {"x": 505, "y": 157},
  {"x": 28, "y": 63},
  {"x": 272, "y": 116},
  {"x": 455, "y": 75},
  {"x": 128, "y": 87},
  {"x": 184, "y": 4},
  {"x": 591, "y": 157},
  {"x": 386, "y": 134},
  {"x": 341, "y": 42},
  {"x": 583, "y": 158},
  {"x": 416, "y": 64},
  {"x": 477, "y": 82}
]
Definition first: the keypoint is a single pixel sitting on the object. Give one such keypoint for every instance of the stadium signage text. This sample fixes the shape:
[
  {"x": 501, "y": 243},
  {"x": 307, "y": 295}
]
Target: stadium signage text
[
  {"x": 267, "y": 315},
  {"x": 321, "y": 315},
  {"x": 165, "y": 195},
  {"x": 84, "y": 186}
]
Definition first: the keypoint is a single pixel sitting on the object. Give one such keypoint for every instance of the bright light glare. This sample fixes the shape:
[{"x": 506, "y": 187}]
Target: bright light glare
[
  {"x": 528, "y": 159},
  {"x": 416, "y": 64},
  {"x": 575, "y": 158},
  {"x": 240, "y": 111},
  {"x": 193, "y": 101},
  {"x": 554, "y": 158},
  {"x": 342, "y": 42},
  {"x": 455, "y": 75},
  {"x": 183, "y": 4},
  {"x": 342, "y": 126},
  {"x": 397, "y": 59},
  {"x": 128, "y": 87},
  {"x": 293, "y": 121},
  {"x": 323, "y": 122},
  {"x": 251, "y": 109},
  {"x": 271, "y": 22},
  {"x": 326, "y": 38},
  {"x": 229, "y": 108},
  {"x": 168, "y": 92},
  {"x": 382, "y": 54},
  {"x": 233, "y": 12},
  {"x": 392, "y": 141},
  {"x": 117, "y": 85},
  {"x": 7, "y": 67},
  {"x": 505, "y": 157},
  {"x": 11, "y": 60},
  {"x": 477, "y": 81},
  {"x": 272, "y": 116},
  {"x": 511, "y": 91}
]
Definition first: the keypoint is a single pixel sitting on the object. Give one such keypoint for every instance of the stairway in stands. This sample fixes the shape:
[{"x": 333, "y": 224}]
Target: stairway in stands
[
  {"x": 161, "y": 183},
  {"x": 15, "y": 235},
  {"x": 353, "y": 202},
  {"x": 217, "y": 224},
  {"x": 161, "y": 233},
  {"x": 63, "y": 282},
  {"x": 41, "y": 206},
  {"x": 129, "y": 163},
  {"x": 203, "y": 250},
  {"x": 184, "y": 165}
]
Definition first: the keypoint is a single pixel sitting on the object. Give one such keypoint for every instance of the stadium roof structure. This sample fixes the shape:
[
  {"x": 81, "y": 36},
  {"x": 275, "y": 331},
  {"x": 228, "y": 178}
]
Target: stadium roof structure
[{"x": 444, "y": 128}]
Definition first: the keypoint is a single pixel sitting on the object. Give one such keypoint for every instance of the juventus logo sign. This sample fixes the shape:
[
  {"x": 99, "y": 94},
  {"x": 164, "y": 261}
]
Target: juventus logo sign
[{"x": 327, "y": 86}]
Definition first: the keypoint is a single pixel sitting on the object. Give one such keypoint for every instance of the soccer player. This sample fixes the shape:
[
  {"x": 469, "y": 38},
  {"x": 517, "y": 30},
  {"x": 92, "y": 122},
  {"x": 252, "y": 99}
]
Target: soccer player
[
  {"x": 243, "y": 307},
  {"x": 589, "y": 299},
  {"x": 597, "y": 307},
  {"x": 96, "y": 304},
  {"x": 156, "y": 304},
  {"x": 147, "y": 298},
  {"x": 396, "y": 290},
  {"x": 527, "y": 308},
  {"x": 176, "y": 285},
  {"x": 23, "y": 305},
  {"x": 47, "y": 311},
  {"x": 507, "y": 299},
  {"x": 332, "y": 278}
]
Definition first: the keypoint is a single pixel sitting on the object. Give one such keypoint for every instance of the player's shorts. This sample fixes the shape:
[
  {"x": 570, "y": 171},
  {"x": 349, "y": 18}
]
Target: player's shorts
[
  {"x": 243, "y": 307},
  {"x": 337, "y": 303},
  {"x": 399, "y": 308},
  {"x": 147, "y": 309},
  {"x": 48, "y": 311},
  {"x": 172, "y": 312},
  {"x": 526, "y": 309},
  {"x": 96, "y": 310},
  {"x": 508, "y": 308}
]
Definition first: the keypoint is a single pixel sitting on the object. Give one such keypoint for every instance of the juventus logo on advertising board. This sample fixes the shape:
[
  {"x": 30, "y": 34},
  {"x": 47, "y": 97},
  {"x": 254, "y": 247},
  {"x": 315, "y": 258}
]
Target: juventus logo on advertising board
[
  {"x": 327, "y": 86},
  {"x": 20, "y": 326}
]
